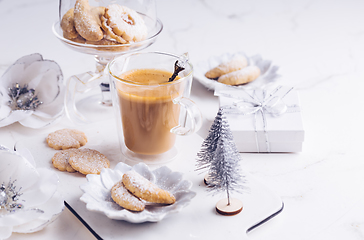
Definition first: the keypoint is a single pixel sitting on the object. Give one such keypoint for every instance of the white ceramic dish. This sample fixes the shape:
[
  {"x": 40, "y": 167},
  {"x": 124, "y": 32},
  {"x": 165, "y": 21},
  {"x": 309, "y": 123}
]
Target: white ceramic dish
[
  {"x": 98, "y": 198},
  {"x": 267, "y": 77}
]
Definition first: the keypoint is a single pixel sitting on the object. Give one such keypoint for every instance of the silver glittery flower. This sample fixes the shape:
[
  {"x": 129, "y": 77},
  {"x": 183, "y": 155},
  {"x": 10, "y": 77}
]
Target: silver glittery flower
[
  {"x": 31, "y": 92},
  {"x": 23, "y": 98},
  {"x": 9, "y": 197}
]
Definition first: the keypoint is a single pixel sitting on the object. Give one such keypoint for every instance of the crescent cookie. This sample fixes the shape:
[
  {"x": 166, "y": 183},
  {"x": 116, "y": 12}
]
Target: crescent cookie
[
  {"x": 242, "y": 76},
  {"x": 125, "y": 199},
  {"x": 88, "y": 161},
  {"x": 87, "y": 22},
  {"x": 60, "y": 160},
  {"x": 144, "y": 189},
  {"x": 66, "y": 138},
  {"x": 68, "y": 25},
  {"x": 98, "y": 12},
  {"x": 236, "y": 63},
  {"x": 79, "y": 39},
  {"x": 123, "y": 24}
]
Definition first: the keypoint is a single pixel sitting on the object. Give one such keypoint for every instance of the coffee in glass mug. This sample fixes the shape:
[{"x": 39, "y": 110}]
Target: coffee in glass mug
[{"x": 150, "y": 109}]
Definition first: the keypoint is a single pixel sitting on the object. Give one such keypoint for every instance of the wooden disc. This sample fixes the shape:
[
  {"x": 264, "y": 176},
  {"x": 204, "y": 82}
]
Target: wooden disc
[
  {"x": 234, "y": 208},
  {"x": 208, "y": 181}
]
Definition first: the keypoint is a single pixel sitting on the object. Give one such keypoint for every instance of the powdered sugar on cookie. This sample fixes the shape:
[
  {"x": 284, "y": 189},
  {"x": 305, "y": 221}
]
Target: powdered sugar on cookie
[
  {"x": 88, "y": 161},
  {"x": 115, "y": 23},
  {"x": 125, "y": 199},
  {"x": 87, "y": 22},
  {"x": 242, "y": 76},
  {"x": 125, "y": 23},
  {"x": 235, "y": 71},
  {"x": 66, "y": 138},
  {"x": 60, "y": 160},
  {"x": 146, "y": 190},
  {"x": 140, "y": 182},
  {"x": 236, "y": 63}
]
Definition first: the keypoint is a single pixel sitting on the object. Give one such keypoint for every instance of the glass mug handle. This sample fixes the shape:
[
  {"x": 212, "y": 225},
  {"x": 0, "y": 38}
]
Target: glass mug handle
[{"x": 193, "y": 116}]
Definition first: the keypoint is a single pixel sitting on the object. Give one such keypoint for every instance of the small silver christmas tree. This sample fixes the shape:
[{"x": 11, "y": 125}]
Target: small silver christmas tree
[
  {"x": 209, "y": 145},
  {"x": 220, "y": 156}
]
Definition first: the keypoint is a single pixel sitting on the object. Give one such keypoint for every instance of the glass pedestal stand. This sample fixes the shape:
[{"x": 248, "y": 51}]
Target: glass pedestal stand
[{"x": 88, "y": 96}]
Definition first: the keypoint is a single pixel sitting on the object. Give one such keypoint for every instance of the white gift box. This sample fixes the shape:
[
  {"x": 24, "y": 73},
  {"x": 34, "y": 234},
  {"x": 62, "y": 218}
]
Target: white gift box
[{"x": 263, "y": 121}]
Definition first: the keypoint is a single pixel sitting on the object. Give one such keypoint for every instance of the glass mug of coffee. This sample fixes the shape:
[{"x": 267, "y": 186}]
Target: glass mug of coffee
[{"x": 150, "y": 109}]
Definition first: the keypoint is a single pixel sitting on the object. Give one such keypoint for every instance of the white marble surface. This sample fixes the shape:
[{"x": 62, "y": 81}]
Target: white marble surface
[{"x": 319, "y": 48}]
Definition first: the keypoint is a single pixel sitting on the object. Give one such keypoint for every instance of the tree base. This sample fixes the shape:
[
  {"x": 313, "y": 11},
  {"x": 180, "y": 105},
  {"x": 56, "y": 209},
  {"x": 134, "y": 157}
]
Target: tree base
[
  {"x": 235, "y": 207},
  {"x": 208, "y": 181}
]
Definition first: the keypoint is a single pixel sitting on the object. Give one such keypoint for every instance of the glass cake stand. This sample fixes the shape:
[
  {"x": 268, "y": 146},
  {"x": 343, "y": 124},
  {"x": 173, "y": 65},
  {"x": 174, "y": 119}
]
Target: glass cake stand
[{"x": 89, "y": 92}]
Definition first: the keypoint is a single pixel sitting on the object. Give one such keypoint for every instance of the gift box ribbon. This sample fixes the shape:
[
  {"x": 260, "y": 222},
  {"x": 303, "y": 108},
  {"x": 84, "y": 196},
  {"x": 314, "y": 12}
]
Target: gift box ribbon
[{"x": 255, "y": 102}]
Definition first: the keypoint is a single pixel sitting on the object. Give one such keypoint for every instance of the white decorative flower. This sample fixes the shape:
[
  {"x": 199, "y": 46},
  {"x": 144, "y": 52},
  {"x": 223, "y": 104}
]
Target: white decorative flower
[
  {"x": 31, "y": 92},
  {"x": 28, "y": 197}
]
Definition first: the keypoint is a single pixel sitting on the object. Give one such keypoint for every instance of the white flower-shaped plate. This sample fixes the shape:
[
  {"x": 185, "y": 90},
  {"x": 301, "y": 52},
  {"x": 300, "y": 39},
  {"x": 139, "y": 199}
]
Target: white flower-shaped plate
[
  {"x": 267, "y": 77},
  {"x": 38, "y": 186},
  {"x": 98, "y": 198}
]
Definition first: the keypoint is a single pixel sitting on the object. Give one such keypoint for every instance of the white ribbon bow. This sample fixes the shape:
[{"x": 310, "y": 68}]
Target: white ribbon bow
[{"x": 258, "y": 102}]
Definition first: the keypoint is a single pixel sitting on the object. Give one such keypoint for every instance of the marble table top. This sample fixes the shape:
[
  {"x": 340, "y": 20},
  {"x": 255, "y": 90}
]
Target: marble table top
[{"x": 318, "y": 46}]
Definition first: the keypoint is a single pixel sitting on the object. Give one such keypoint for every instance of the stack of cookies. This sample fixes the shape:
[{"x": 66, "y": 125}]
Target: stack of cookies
[
  {"x": 111, "y": 25},
  {"x": 72, "y": 158},
  {"x": 234, "y": 72},
  {"x": 133, "y": 190}
]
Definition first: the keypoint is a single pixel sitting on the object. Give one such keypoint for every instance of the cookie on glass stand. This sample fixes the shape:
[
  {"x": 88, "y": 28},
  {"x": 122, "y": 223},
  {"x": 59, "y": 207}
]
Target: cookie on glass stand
[{"x": 105, "y": 31}]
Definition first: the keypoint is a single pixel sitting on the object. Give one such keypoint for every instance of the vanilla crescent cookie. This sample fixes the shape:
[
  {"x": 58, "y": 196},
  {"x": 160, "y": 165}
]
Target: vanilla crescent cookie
[
  {"x": 242, "y": 76},
  {"x": 125, "y": 199},
  {"x": 236, "y": 63},
  {"x": 144, "y": 189},
  {"x": 87, "y": 21},
  {"x": 98, "y": 12},
  {"x": 88, "y": 161},
  {"x": 66, "y": 138},
  {"x": 79, "y": 39},
  {"x": 68, "y": 25},
  {"x": 123, "y": 24},
  {"x": 60, "y": 160}
]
